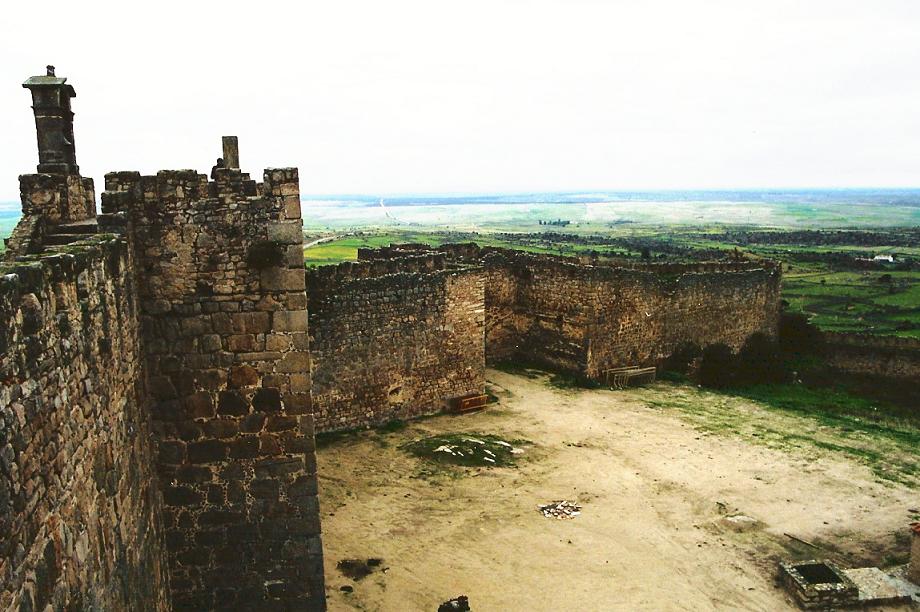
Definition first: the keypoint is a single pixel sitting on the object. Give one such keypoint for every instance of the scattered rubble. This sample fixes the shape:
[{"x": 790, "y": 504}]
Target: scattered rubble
[
  {"x": 358, "y": 569},
  {"x": 466, "y": 449},
  {"x": 457, "y": 604},
  {"x": 560, "y": 509}
]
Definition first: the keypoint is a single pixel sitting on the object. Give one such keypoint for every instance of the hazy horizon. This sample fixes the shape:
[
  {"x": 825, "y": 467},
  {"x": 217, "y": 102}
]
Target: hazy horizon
[{"x": 504, "y": 96}]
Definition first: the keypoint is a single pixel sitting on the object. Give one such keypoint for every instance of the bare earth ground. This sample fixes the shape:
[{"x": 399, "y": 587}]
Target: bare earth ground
[{"x": 656, "y": 490}]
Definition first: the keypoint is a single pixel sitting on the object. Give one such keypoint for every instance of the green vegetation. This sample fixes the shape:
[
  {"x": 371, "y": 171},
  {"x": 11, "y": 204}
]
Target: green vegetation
[
  {"x": 346, "y": 248},
  {"x": 815, "y": 421},
  {"x": 879, "y": 302},
  {"x": 466, "y": 449}
]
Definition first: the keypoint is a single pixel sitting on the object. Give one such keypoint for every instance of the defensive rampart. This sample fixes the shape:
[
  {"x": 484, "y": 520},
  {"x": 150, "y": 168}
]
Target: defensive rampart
[
  {"x": 80, "y": 522},
  {"x": 881, "y": 356},
  {"x": 586, "y": 316},
  {"x": 223, "y": 317},
  {"x": 394, "y": 339}
]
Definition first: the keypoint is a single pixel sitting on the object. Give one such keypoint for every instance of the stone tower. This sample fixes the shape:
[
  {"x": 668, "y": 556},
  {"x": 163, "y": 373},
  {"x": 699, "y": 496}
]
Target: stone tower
[
  {"x": 56, "y": 197},
  {"x": 54, "y": 123}
]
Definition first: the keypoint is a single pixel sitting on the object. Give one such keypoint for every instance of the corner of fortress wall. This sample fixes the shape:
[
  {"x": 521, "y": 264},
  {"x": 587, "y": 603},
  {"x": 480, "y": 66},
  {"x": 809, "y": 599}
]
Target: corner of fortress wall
[
  {"x": 394, "y": 339},
  {"x": 224, "y": 324},
  {"x": 586, "y": 316},
  {"x": 156, "y": 435}
]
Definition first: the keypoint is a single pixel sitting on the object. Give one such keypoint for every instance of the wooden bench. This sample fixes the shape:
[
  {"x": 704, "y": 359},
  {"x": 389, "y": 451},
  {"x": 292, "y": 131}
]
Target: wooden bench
[
  {"x": 620, "y": 378},
  {"x": 468, "y": 403}
]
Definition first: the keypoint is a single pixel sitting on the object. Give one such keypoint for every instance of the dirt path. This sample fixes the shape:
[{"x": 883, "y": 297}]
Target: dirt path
[{"x": 653, "y": 533}]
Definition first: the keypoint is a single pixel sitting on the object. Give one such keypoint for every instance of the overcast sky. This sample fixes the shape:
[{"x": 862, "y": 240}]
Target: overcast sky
[{"x": 501, "y": 95}]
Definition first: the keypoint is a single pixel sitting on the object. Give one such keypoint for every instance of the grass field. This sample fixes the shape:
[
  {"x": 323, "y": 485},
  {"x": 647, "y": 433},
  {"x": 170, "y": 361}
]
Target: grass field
[
  {"x": 346, "y": 248},
  {"x": 857, "y": 301}
]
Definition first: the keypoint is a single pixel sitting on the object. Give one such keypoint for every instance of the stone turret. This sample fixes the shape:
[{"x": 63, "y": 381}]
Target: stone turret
[
  {"x": 58, "y": 205},
  {"x": 54, "y": 123}
]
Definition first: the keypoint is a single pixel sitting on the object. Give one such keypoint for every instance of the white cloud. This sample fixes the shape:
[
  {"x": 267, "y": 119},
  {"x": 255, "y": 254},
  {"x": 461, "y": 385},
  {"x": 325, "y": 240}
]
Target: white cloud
[{"x": 406, "y": 96}]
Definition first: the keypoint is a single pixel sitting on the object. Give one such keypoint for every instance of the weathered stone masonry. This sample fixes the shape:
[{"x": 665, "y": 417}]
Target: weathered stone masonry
[
  {"x": 408, "y": 328},
  {"x": 156, "y": 441},
  {"x": 586, "y": 317},
  {"x": 394, "y": 340},
  {"x": 885, "y": 357},
  {"x": 160, "y": 388},
  {"x": 223, "y": 312},
  {"x": 79, "y": 520}
]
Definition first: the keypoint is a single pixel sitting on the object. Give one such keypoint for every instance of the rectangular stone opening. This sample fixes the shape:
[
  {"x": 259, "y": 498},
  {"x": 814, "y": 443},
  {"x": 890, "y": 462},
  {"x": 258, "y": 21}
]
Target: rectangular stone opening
[{"x": 818, "y": 573}]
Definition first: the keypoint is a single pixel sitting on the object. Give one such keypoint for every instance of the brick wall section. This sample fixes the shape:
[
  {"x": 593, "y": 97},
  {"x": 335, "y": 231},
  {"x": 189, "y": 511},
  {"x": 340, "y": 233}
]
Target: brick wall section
[
  {"x": 885, "y": 356},
  {"x": 393, "y": 339},
  {"x": 79, "y": 518},
  {"x": 223, "y": 313}
]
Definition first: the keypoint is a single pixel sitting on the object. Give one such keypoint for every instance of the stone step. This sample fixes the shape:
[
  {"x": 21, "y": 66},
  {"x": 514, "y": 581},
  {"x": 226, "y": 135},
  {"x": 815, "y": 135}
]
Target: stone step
[
  {"x": 87, "y": 226},
  {"x": 58, "y": 239}
]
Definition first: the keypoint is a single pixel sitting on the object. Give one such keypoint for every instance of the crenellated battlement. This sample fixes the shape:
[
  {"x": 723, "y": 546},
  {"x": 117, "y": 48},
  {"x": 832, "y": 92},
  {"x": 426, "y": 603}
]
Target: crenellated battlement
[
  {"x": 166, "y": 363},
  {"x": 156, "y": 372}
]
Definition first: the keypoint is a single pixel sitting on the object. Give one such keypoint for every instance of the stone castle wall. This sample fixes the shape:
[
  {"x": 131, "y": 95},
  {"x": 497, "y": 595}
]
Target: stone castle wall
[
  {"x": 394, "y": 339},
  {"x": 586, "y": 317},
  {"x": 223, "y": 316},
  {"x": 882, "y": 356},
  {"x": 48, "y": 200},
  {"x": 79, "y": 519},
  {"x": 642, "y": 316}
]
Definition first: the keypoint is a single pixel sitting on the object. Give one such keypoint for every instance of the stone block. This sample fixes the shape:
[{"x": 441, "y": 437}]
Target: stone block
[
  {"x": 243, "y": 376},
  {"x": 267, "y": 400},
  {"x": 210, "y": 343},
  {"x": 293, "y": 256},
  {"x": 206, "y": 451},
  {"x": 243, "y": 343},
  {"x": 232, "y": 403},
  {"x": 289, "y": 232},
  {"x": 282, "y": 279},
  {"x": 199, "y": 405},
  {"x": 295, "y": 361},
  {"x": 277, "y": 342},
  {"x": 298, "y": 403},
  {"x": 300, "y": 383},
  {"x": 245, "y": 448},
  {"x": 250, "y": 322},
  {"x": 290, "y": 321},
  {"x": 291, "y": 206}
]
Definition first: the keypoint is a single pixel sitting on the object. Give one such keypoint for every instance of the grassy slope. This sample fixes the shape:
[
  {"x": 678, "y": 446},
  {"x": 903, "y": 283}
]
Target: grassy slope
[{"x": 817, "y": 421}]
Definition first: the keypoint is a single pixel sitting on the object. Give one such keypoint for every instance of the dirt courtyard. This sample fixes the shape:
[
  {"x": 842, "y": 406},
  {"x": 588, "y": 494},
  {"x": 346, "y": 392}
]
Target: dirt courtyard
[{"x": 672, "y": 518}]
